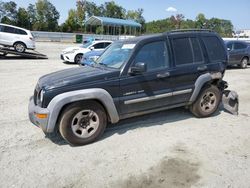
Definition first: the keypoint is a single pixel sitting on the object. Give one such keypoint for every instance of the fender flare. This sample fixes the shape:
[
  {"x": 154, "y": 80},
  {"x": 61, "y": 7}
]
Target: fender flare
[
  {"x": 58, "y": 102},
  {"x": 201, "y": 81}
]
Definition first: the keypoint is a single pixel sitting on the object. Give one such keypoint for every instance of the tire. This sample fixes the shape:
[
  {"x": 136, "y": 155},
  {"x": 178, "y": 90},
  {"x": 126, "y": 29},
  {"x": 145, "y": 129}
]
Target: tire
[
  {"x": 19, "y": 47},
  {"x": 82, "y": 122},
  {"x": 244, "y": 63},
  {"x": 78, "y": 58},
  {"x": 207, "y": 102}
]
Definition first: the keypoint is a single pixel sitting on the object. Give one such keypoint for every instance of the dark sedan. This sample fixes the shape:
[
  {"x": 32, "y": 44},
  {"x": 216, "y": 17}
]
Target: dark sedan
[{"x": 239, "y": 53}]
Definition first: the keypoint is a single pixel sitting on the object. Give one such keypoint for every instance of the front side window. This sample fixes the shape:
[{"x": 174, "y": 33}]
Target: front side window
[
  {"x": 99, "y": 45},
  {"x": 239, "y": 46},
  {"x": 106, "y": 44},
  {"x": 154, "y": 54}
]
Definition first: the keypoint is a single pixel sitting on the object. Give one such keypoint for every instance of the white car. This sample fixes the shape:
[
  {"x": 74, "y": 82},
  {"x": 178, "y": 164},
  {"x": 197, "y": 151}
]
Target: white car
[
  {"x": 19, "y": 38},
  {"x": 75, "y": 54}
]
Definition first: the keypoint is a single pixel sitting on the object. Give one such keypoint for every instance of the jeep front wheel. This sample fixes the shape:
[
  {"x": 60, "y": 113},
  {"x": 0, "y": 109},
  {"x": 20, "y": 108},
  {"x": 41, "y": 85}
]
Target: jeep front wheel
[
  {"x": 82, "y": 123},
  {"x": 207, "y": 102}
]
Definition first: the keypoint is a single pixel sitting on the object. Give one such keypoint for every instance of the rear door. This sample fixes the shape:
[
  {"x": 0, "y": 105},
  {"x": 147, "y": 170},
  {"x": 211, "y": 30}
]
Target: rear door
[{"x": 189, "y": 65}]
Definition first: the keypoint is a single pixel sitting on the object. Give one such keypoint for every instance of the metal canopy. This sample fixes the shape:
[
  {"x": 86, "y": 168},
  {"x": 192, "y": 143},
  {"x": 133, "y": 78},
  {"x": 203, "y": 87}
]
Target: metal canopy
[{"x": 97, "y": 20}]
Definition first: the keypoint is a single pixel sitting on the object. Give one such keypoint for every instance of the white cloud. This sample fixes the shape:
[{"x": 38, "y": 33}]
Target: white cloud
[{"x": 171, "y": 9}]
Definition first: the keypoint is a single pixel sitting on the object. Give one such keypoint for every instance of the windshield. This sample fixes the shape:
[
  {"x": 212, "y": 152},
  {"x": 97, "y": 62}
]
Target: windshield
[
  {"x": 116, "y": 55},
  {"x": 86, "y": 45}
]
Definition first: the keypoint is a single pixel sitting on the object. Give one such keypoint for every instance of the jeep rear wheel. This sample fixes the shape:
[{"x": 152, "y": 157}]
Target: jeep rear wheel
[
  {"x": 207, "y": 102},
  {"x": 82, "y": 123}
]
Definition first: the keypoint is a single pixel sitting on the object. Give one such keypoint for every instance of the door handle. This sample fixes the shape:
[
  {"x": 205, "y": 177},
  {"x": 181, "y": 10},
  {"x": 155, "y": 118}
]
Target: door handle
[
  {"x": 163, "y": 75},
  {"x": 202, "y": 68}
]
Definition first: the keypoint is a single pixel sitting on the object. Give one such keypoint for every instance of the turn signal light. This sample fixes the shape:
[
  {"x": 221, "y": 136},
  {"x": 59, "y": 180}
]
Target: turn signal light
[{"x": 41, "y": 116}]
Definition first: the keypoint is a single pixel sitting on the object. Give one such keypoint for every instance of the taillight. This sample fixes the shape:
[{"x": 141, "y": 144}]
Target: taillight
[{"x": 31, "y": 38}]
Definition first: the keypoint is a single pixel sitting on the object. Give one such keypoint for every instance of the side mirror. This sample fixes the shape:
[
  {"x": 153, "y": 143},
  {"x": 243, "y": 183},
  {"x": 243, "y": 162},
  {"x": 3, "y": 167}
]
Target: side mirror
[
  {"x": 92, "y": 48},
  {"x": 138, "y": 68}
]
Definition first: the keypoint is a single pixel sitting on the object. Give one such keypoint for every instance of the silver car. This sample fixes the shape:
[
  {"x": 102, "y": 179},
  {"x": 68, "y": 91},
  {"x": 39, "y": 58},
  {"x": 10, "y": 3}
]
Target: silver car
[{"x": 19, "y": 38}]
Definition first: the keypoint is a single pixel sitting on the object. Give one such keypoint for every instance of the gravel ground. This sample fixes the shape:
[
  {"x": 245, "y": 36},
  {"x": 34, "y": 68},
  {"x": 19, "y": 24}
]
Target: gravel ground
[{"x": 166, "y": 149}]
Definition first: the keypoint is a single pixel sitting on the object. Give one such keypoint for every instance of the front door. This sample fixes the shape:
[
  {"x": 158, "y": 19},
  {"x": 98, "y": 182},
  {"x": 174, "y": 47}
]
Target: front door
[{"x": 151, "y": 89}]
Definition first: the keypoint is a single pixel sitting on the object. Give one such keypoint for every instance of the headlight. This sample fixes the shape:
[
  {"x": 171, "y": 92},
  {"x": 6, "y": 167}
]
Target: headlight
[{"x": 40, "y": 97}]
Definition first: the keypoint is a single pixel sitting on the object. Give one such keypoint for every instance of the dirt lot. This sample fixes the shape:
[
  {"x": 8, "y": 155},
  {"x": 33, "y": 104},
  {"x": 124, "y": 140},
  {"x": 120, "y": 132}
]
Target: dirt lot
[{"x": 167, "y": 149}]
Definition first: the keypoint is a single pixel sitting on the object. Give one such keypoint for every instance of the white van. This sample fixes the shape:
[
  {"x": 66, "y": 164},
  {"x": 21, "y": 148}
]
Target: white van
[{"x": 19, "y": 38}]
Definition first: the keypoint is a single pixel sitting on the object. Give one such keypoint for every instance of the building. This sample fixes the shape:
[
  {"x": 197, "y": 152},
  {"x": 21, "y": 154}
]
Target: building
[{"x": 243, "y": 33}]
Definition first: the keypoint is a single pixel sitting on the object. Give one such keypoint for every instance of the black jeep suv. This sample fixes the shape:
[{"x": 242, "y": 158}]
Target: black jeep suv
[{"x": 132, "y": 77}]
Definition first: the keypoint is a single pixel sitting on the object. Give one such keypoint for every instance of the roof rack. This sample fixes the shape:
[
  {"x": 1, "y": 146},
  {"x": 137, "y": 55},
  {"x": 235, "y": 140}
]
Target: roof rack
[{"x": 190, "y": 30}]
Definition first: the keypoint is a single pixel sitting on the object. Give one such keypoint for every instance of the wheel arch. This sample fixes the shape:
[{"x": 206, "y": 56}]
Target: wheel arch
[
  {"x": 60, "y": 102},
  {"x": 19, "y": 42},
  {"x": 245, "y": 57},
  {"x": 203, "y": 80}
]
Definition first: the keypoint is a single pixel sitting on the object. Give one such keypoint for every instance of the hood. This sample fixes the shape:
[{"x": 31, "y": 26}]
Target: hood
[
  {"x": 74, "y": 76},
  {"x": 71, "y": 48}
]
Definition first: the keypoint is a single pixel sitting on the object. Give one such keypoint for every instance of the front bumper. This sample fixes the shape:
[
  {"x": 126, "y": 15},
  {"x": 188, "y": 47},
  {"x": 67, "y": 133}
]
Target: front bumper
[
  {"x": 67, "y": 57},
  {"x": 40, "y": 122}
]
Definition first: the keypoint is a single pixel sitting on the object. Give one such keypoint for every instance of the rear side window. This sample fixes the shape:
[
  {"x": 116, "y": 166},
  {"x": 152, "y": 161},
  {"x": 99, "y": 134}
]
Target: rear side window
[
  {"x": 187, "y": 51},
  {"x": 21, "y": 32},
  {"x": 238, "y": 46},
  {"x": 8, "y": 29},
  {"x": 214, "y": 48}
]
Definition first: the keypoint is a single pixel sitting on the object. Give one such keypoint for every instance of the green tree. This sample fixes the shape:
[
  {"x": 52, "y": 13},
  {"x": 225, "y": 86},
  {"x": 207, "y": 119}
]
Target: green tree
[
  {"x": 8, "y": 12},
  {"x": 22, "y": 18},
  {"x": 71, "y": 24},
  {"x": 201, "y": 21},
  {"x": 46, "y": 16},
  {"x": 137, "y": 15},
  {"x": 93, "y": 10},
  {"x": 31, "y": 10},
  {"x": 111, "y": 9}
]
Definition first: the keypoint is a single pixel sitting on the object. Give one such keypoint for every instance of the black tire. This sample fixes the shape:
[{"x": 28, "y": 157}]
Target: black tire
[
  {"x": 244, "y": 63},
  {"x": 207, "y": 102},
  {"x": 82, "y": 122},
  {"x": 20, "y": 47},
  {"x": 78, "y": 58}
]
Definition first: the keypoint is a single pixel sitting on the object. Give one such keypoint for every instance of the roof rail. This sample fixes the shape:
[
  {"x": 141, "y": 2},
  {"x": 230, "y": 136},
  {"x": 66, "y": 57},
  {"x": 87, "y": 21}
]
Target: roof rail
[{"x": 190, "y": 30}]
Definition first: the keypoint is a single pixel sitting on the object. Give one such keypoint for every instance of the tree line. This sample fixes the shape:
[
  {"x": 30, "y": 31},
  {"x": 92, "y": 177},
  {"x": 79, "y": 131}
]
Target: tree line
[
  {"x": 43, "y": 16},
  {"x": 221, "y": 26}
]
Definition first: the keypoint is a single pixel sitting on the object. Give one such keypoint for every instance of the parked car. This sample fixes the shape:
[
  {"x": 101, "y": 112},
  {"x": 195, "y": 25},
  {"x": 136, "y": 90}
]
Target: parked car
[
  {"x": 74, "y": 54},
  {"x": 239, "y": 53},
  {"x": 19, "y": 38},
  {"x": 90, "y": 58},
  {"x": 132, "y": 77}
]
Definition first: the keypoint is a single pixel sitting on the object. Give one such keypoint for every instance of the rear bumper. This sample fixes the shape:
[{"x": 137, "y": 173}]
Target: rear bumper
[{"x": 33, "y": 110}]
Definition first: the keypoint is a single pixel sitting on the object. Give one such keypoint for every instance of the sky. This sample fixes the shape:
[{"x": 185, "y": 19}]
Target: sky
[{"x": 238, "y": 11}]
